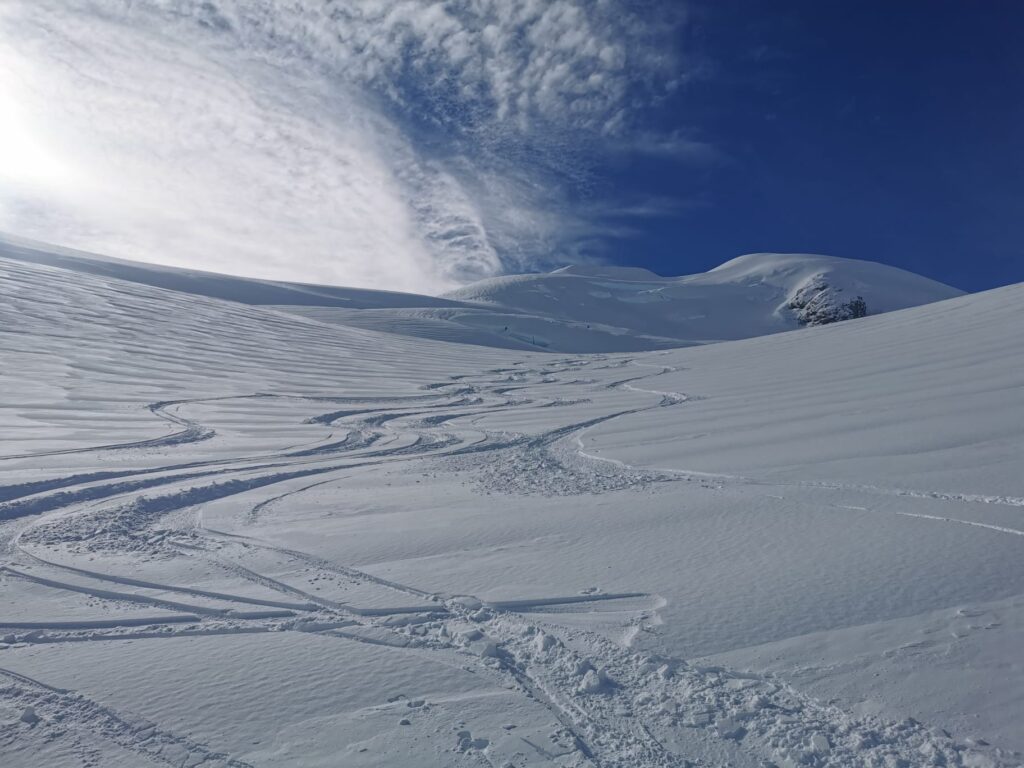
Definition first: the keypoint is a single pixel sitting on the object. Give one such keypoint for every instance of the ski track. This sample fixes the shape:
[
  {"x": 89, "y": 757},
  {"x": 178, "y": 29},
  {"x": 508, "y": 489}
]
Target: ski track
[
  {"x": 191, "y": 432},
  {"x": 612, "y": 706},
  {"x": 974, "y": 523}
]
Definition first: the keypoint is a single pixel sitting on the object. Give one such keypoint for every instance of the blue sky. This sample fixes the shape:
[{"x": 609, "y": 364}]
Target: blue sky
[
  {"x": 891, "y": 131},
  {"x": 420, "y": 144}
]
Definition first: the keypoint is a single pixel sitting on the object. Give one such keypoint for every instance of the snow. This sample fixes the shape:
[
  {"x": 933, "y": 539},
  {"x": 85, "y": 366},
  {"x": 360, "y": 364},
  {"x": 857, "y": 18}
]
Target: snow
[
  {"x": 573, "y": 309},
  {"x": 247, "y": 533},
  {"x": 748, "y": 296}
]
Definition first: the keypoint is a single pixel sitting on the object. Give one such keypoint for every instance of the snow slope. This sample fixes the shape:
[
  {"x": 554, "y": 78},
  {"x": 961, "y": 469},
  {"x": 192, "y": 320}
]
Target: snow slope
[
  {"x": 233, "y": 535},
  {"x": 574, "y": 309},
  {"x": 748, "y": 296}
]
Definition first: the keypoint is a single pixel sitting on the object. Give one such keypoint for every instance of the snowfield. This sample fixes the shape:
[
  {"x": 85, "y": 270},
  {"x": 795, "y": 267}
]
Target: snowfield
[
  {"x": 251, "y": 530},
  {"x": 573, "y": 309}
]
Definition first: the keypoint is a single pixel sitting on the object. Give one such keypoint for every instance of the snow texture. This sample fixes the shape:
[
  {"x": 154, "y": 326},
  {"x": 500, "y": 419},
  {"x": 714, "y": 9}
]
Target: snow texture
[
  {"x": 573, "y": 309},
  {"x": 236, "y": 531}
]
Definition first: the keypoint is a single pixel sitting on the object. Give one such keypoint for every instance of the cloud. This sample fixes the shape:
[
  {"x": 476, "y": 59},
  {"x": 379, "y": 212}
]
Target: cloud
[
  {"x": 675, "y": 146},
  {"x": 566, "y": 61},
  {"x": 404, "y": 144}
]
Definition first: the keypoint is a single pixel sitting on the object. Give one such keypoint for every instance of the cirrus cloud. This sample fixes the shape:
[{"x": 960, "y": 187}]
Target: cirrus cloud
[{"x": 412, "y": 145}]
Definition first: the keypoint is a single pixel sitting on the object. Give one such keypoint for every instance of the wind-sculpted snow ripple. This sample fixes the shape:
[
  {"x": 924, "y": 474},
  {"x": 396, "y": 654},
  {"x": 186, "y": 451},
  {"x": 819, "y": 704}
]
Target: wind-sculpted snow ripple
[{"x": 57, "y": 710}]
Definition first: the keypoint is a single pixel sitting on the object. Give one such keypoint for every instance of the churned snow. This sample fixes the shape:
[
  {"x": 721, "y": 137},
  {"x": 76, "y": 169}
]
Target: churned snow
[{"x": 239, "y": 529}]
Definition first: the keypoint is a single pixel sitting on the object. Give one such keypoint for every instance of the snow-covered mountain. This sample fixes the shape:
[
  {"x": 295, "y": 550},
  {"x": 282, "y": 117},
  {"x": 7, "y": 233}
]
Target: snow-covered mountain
[
  {"x": 291, "y": 544},
  {"x": 751, "y": 295},
  {"x": 236, "y": 536},
  {"x": 574, "y": 309}
]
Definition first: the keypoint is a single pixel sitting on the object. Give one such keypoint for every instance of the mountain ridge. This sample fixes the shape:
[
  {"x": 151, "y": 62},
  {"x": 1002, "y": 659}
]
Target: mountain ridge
[{"x": 576, "y": 308}]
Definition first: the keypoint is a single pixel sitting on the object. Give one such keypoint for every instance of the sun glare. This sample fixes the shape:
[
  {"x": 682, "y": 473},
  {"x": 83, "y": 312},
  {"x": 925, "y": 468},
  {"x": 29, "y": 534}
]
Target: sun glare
[{"x": 25, "y": 158}]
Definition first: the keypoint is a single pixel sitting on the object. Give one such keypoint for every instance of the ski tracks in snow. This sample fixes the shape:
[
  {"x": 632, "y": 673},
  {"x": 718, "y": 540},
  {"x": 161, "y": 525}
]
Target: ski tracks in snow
[{"x": 610, "y": 706}]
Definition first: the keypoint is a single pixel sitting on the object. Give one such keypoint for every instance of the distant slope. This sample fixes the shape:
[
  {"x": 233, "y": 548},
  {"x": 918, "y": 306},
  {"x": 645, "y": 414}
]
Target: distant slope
[
  {"x": 211, "y": 284},
  {"x": 573, "y": 309},
  {"x": 749, "y": 296}
]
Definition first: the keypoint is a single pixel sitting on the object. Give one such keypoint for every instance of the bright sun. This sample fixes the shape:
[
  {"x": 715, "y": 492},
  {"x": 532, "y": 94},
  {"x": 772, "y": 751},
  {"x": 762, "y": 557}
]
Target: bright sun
[{"x": 25, "y": 160}]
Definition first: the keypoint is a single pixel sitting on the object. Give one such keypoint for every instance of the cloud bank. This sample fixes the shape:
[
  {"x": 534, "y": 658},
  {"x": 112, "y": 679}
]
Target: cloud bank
[{"x": 411, "y": 145}]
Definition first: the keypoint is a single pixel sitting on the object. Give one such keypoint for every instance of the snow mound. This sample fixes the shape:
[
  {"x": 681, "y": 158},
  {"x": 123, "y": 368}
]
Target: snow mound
[
  {"x": 831, "y": 280},
  {"x": 752, "y": 295}
]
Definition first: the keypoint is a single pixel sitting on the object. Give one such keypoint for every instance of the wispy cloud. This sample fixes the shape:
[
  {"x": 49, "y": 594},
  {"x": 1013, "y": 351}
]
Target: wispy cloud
[
  {"x": 676, "y": 146},
  {"x": 405, "y": 144}
]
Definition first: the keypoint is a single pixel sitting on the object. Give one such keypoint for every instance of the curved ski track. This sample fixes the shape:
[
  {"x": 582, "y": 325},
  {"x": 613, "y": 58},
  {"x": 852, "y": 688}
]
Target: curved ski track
[{"x": 612, "y": 706}]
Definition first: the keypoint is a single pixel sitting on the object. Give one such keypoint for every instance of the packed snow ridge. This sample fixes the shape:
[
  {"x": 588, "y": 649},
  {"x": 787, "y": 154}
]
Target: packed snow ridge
[
  {"x": 233, "y": 533},
  {"x": 573, "y": 309}
]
